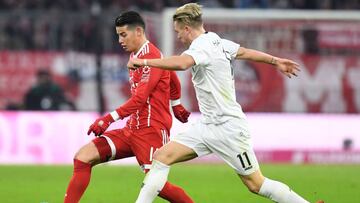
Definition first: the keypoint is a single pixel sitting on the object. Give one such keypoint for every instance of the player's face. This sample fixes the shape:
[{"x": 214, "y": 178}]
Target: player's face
[
  {"x": 127, "y": 38},
  {"x": 182, "y": 33}
]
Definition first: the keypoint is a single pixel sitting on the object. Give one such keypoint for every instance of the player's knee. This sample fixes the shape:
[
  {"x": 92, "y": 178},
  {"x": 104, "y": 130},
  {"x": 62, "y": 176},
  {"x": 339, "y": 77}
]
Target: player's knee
[
  {"x": 158, "y": 155},
  {"x": 253, "y": 188},
  {"x": 163, "y": 157},
  {"x": 252, "y": 185},
  {"x": 88, "y": 154},
  {"x": 81, "y": 156},
  {"x": 253, "y": 181}
]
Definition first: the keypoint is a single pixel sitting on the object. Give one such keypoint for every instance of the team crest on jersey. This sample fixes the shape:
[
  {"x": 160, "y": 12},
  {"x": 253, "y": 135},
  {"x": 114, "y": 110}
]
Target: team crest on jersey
[
  {"x": 146, "y": 70},
  {"x": 145, "y": 74},
  {"x": 216, "y": 43}
]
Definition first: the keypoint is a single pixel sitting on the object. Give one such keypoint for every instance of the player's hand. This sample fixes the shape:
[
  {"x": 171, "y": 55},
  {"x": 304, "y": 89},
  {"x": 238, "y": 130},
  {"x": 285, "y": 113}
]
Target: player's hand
[
  {"x": 181, "y": 113},
  {"x": 135, "y": 63},
  {"x": 287, "y": 67},
  {"x": 100, "y": 125}
]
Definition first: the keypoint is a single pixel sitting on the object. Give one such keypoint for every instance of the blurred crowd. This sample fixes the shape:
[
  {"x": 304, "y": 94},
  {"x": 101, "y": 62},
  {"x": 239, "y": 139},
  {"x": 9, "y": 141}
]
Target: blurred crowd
[
  {"x": 87, "y": 26},
  {"x": 74, "y": 25},
  {"x": 51, "y": 30}
]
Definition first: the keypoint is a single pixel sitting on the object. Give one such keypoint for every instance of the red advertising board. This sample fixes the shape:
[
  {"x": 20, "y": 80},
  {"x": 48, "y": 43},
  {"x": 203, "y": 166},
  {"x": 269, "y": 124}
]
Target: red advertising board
[
  {"x": 326, "y": 84},
  {"x": 74, "y": 72}
]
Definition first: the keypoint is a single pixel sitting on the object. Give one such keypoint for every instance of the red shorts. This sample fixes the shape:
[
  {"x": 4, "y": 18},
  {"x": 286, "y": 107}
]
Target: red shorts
[{"x": 125, "y": 142}]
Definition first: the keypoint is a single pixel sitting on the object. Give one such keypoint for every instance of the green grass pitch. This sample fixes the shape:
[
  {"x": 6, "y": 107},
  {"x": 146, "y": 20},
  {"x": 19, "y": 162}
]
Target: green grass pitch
[{"x": 205, "y": 183}]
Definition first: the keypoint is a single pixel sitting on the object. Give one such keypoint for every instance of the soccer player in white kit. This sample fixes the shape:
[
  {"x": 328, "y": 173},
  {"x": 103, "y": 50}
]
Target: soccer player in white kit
[{"x": 223, "y": 127}]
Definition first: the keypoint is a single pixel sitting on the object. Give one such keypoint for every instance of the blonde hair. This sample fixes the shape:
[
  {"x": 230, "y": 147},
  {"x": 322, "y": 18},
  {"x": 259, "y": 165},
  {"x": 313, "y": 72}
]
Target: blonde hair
[{"x": 189, "y": 14}]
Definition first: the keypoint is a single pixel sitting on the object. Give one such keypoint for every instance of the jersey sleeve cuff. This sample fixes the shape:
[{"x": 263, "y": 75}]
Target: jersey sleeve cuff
[
  {"x": 175, "y": 102},
  {"x": 115, "y": 115}
]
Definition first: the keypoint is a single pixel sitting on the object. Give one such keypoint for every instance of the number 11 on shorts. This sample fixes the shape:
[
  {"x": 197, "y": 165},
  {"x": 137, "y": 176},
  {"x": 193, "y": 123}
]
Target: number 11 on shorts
[{"x": 244, "y": 160}]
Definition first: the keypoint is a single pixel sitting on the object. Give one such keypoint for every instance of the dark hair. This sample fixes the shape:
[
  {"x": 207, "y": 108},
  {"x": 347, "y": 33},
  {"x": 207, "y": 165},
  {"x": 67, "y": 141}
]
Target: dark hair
[{"x": 130, "y": 18}]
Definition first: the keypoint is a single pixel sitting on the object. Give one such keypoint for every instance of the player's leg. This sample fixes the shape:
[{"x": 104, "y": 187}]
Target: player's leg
[
  {"x": 156, "y": 178},
  {"x": 174, "y": 194},
  {"x": 232, "y": 142},
  {"x": 144, "y": 143},
  {"x": 271, "y": 189},
  {"x": 100, "y": 150},
  {"x": 183, "y": 147},
  {"x": 84, "y": 159},
  {"x": 170, "y": 192}
]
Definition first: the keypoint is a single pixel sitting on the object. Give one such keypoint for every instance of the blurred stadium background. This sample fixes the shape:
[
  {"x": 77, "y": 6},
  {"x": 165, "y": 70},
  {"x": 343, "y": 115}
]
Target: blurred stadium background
[{"x": 305, "y": 130}]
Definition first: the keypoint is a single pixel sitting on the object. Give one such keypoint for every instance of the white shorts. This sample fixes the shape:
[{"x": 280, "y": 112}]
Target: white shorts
[{"x": 230, "y": 141}]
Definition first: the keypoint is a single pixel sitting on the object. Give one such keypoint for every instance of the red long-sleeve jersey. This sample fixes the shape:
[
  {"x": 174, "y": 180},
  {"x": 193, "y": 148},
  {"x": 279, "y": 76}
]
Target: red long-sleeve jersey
[{"x": 151, "y": 90}]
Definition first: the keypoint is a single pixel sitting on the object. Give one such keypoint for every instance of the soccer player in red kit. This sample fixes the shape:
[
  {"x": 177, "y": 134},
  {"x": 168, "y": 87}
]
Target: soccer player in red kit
[{"x": 150, "y": 120}]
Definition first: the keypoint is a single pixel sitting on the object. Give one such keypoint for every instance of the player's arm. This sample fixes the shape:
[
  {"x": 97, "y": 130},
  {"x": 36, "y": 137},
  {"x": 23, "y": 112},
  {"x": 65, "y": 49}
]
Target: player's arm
[
  {"x": 145, "y": 86},
  {"x": 180, "y": 112},
  {"x": 143, "y": 90},
  {"x": 286, "y": 66},
  {"x": 175, "y": 87},
  {"x": 182, "y": 62}
]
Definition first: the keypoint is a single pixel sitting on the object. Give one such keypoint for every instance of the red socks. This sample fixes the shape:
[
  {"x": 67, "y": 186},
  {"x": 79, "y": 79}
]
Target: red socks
[
  {"x": 79, "y": 181},
  {"x": 81, "y": 178},
  {"x": 174, "y": 194}
]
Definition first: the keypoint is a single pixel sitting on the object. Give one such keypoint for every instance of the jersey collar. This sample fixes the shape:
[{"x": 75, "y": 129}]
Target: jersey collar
[{"x": 141, "y": 48}]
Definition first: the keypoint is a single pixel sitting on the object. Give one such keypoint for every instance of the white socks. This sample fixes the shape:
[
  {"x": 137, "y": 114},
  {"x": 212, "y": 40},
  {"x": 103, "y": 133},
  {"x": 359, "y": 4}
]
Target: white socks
[
  {"x": 153, "y": 183},
  {"x": 157, "y": 176},
  {"x": 279, "y": 192}
]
